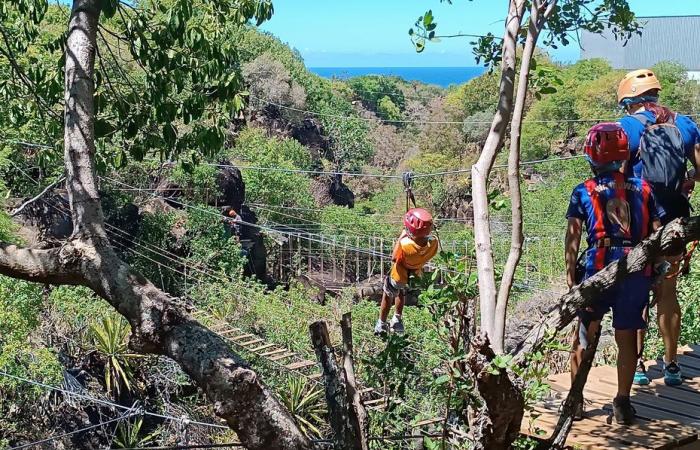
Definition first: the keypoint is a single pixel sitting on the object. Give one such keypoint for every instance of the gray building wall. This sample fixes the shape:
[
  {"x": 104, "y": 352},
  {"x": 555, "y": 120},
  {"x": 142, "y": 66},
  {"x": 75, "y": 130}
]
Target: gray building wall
[{"x": 663, "y": 39}]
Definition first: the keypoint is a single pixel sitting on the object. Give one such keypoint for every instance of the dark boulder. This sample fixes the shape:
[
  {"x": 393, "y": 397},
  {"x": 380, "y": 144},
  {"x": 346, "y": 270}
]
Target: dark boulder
[{"x": 231, "y": 188}]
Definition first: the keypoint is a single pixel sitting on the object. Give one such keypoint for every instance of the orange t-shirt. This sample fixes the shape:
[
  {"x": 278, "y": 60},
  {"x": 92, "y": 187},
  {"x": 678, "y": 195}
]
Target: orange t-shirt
[{"x": 412, "y": 256}]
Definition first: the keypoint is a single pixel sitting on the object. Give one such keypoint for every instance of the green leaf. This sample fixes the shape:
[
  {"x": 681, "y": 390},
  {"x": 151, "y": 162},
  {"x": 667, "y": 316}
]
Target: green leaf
[{"x": 103, "y": 128}]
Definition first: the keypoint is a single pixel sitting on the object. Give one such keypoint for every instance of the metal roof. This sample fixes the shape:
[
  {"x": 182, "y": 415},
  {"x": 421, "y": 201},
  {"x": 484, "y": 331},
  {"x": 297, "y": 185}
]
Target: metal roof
[{"x": 664, "y": 38}]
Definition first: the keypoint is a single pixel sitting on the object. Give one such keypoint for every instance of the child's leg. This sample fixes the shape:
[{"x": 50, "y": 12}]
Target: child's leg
[
  {"x": 669, "y": 314},
  {"x": 399, "y": 302},
  {"x": 585, "y": 332},
  {"x": 385, "y": 306},
  {"x": 626, "y": 360},
  {"x": 641, "y": 336}
]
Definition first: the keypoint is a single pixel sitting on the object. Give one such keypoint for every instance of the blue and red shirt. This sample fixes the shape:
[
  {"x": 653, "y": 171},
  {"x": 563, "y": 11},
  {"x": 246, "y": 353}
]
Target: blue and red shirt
[
  {"x": 614, "y": 207},
  {"x": 634, "y": 129}
]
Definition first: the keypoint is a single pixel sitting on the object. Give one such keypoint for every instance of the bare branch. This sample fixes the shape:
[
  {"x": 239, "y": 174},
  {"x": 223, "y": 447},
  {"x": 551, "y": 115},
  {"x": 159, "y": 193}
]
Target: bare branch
[{"x": 41, "y": 194}]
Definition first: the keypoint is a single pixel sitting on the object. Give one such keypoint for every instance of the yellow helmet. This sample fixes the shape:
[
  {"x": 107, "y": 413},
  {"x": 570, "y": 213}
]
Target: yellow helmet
[{"x": 636, "y": 83}]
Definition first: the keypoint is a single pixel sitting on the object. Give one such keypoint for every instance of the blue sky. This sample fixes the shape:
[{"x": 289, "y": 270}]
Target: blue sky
[{"x": 374, "y": 33}]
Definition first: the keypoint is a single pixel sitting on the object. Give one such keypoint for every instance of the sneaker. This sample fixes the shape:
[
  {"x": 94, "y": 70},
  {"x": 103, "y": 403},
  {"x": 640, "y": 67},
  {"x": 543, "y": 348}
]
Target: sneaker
[
  {"x": 396, "y": 325},
  {"x": 623, "y": 410},
  {"x": 640, "y": 375},
  {"x": 672, "y": 374},
  {"x": 381, "y": 328}
]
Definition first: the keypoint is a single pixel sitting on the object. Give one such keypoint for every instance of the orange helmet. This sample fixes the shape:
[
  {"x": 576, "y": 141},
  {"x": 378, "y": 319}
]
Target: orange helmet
[
  {"x": 418, "y": 222},
  {"x": 636, "y": 83}
]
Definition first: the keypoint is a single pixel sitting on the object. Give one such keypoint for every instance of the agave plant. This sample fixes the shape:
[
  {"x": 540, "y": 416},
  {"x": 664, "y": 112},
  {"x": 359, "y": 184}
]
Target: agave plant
[
  {"x": 306, "y": 404},
  {"x": 129, "y": 435},
  {"x": 110, "y": 339}
]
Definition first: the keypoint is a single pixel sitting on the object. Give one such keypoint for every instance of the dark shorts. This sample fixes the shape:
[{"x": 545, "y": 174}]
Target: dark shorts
[
  {"x": 627, "y": 302},
  {"x": 674, "y": 205}
]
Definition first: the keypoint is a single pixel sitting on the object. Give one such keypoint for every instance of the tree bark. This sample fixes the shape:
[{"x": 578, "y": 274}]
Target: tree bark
[
  {"x": 538, "y": 17},
  {"x": 496, "y": 417},
  {"x": 159, "y": 323},
  {"x": 481, "y": 170},
  {"x": 671, "y": 239},
  {"x": 337, "y": 398},
  {"x": 575, "y": 396},
  {"x": 359, "y": 414}
]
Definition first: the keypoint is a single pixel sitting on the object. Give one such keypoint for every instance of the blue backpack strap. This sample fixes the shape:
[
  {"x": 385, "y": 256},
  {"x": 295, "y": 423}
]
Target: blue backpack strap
[{"x": 646, "y": 121}]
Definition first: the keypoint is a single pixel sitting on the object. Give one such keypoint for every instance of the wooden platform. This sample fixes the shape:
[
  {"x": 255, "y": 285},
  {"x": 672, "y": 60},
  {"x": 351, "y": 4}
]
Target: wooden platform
[{"x": 667, "y": 417}]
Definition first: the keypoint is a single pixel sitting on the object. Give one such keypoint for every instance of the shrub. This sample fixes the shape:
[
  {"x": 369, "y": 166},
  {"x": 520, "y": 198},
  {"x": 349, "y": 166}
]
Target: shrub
[
  {"x": 372, "y": 89},
  {"x": 387, "y": 110}
]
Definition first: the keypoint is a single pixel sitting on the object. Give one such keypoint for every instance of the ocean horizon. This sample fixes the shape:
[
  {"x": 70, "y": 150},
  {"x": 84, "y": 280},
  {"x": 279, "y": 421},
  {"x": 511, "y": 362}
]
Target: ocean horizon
[{"x": 440, "y": 76}]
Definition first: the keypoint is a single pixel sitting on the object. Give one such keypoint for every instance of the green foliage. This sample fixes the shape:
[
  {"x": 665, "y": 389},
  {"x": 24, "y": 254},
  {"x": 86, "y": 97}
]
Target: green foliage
[
  {"x": 129, "y": 435},
  {"x": 110, "y": 338},
  {"x": 274, "y": 188},
  {"x": 209, "y": 245},
  {"x": 164, "y": 81},
  {"x": 306, "y": 404},
  {"x": 478, "y": 95},
  {"x": 372, "y": 89},
  {"x": 200, "y": 181},
  {"x": 677, "y": 91},
  {"x": 387, "y": 110}
]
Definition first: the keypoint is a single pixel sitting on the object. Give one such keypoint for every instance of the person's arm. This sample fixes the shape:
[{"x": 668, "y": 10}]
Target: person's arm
[
  {"x": 571, "y": 246},
  {"x": 696, "y": 162}
]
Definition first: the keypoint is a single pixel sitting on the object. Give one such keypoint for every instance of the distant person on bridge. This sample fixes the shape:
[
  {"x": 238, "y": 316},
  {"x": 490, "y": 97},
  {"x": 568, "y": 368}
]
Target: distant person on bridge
[
  {"x": 619, "y": 212},
  {"x": 661, "y": 145},
  {"x": 414, "y": 248}
]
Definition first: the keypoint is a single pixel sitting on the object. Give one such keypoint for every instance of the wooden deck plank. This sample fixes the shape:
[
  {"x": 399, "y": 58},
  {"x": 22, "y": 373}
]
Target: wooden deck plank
[
  {"x": 251, "y": 342},
  {"x": 263, "y": 347},
  {"x": 274, "y": 352},
  {"x": 653, "y": 423},
  {"x": 282, "y": 356}
]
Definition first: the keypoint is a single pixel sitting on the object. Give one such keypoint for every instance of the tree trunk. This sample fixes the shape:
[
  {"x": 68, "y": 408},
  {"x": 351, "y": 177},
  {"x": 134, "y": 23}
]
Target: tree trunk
[
  {"x": 671, "y": 239},
  {"x": 575, "y": 396},
  {"x": 482, "y": 169},
  {"x": 537, "y": 19},
  {"x": 337, "y": 398},
  {"x": 359, "y": 419},
  {"x": 496, "y": 417},
  {"x": 159, "y": 323}
]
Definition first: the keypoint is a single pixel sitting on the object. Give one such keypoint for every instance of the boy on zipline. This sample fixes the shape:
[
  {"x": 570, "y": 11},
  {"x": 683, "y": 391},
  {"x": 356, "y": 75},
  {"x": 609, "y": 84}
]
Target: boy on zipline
[
  {"x": 414, "y": 248},
  {"x": 619, "y": 212}
]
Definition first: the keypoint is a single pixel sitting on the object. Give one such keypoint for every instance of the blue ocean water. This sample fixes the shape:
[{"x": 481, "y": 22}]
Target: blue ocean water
[{"x": 441, "y": 76}]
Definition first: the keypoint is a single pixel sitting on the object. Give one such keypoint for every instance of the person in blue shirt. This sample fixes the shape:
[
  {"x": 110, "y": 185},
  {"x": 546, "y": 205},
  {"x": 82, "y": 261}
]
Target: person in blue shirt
[
  {"x": 618, "y": 211},
  {"x": 662, "y": 143}
]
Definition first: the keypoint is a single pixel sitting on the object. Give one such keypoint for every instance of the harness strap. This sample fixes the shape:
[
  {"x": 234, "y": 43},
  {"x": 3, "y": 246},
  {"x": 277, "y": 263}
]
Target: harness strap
[{"x": 408, "y": 187}]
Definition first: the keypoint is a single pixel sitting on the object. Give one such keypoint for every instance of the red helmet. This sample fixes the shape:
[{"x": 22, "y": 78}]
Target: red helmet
[
  {"x": 418, "y": 222},
  {"x": 606, "y": 143}
]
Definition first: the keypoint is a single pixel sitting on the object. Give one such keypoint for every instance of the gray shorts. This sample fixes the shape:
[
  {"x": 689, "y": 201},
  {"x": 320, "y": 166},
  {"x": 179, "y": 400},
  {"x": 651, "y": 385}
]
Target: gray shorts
[{"x": 393, "y": 288}]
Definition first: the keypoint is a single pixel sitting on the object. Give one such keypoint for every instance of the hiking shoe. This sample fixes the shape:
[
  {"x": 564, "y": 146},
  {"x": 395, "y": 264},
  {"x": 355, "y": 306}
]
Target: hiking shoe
[
  {"x": 640, "y": 375},
  {"x": 381, "y": 328},
  {"x": 672, "y": 374},
  {"x": 396, "y": 325},
  {"x": 623, "y": 410}
]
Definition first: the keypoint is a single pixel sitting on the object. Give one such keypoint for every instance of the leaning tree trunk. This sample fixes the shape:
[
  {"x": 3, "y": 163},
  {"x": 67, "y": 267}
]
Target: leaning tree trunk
[
  {"x": 481, "y": 170},
  {"x": 671, "y": 239},
  {"x": 160, "y": 324},
  {"x": 538, "y": 18}
]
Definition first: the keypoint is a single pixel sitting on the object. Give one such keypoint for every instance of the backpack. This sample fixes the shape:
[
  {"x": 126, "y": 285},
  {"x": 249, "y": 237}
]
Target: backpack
[{"x": 662, "y": 152}]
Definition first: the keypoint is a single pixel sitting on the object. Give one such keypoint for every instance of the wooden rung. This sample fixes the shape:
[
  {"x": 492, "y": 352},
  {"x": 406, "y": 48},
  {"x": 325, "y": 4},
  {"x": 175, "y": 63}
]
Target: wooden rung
[
  {"x": 375, "y": 402},
  {"x": 283, "y": 356},
  {"x": 315, "y": 376},
  {"x": 251, "y": 342},
  {"x": 300, "y": 365},
  {"x": 242, "y": 336},
  {"x": 425, "y": 422},
  {"x": 366, "y": 390},
  {"x": 232, "y": 330},
  {"x": 274, "y": 352},
  {"x": 262, "y": 347}
]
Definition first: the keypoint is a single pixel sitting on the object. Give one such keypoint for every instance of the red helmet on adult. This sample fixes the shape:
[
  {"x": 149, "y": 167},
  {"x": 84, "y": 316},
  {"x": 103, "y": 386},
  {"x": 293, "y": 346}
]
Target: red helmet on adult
[
  {"x": 418, "y": 222},
  {"x": 606, "y": 143}
]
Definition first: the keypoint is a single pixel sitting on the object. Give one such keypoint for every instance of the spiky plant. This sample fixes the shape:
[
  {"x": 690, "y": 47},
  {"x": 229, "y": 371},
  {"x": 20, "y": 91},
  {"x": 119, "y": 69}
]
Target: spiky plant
[
  {"x": 306, "y": 404},
  {"x": 110, "y": 337},
  {"x": 129, "y": 435}
]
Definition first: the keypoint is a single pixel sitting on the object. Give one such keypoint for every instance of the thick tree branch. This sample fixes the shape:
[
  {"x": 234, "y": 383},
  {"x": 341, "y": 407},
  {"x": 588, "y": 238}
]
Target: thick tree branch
[
  {"x": 60, "y": 265},
  {"x": 668, "y": 240}
]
